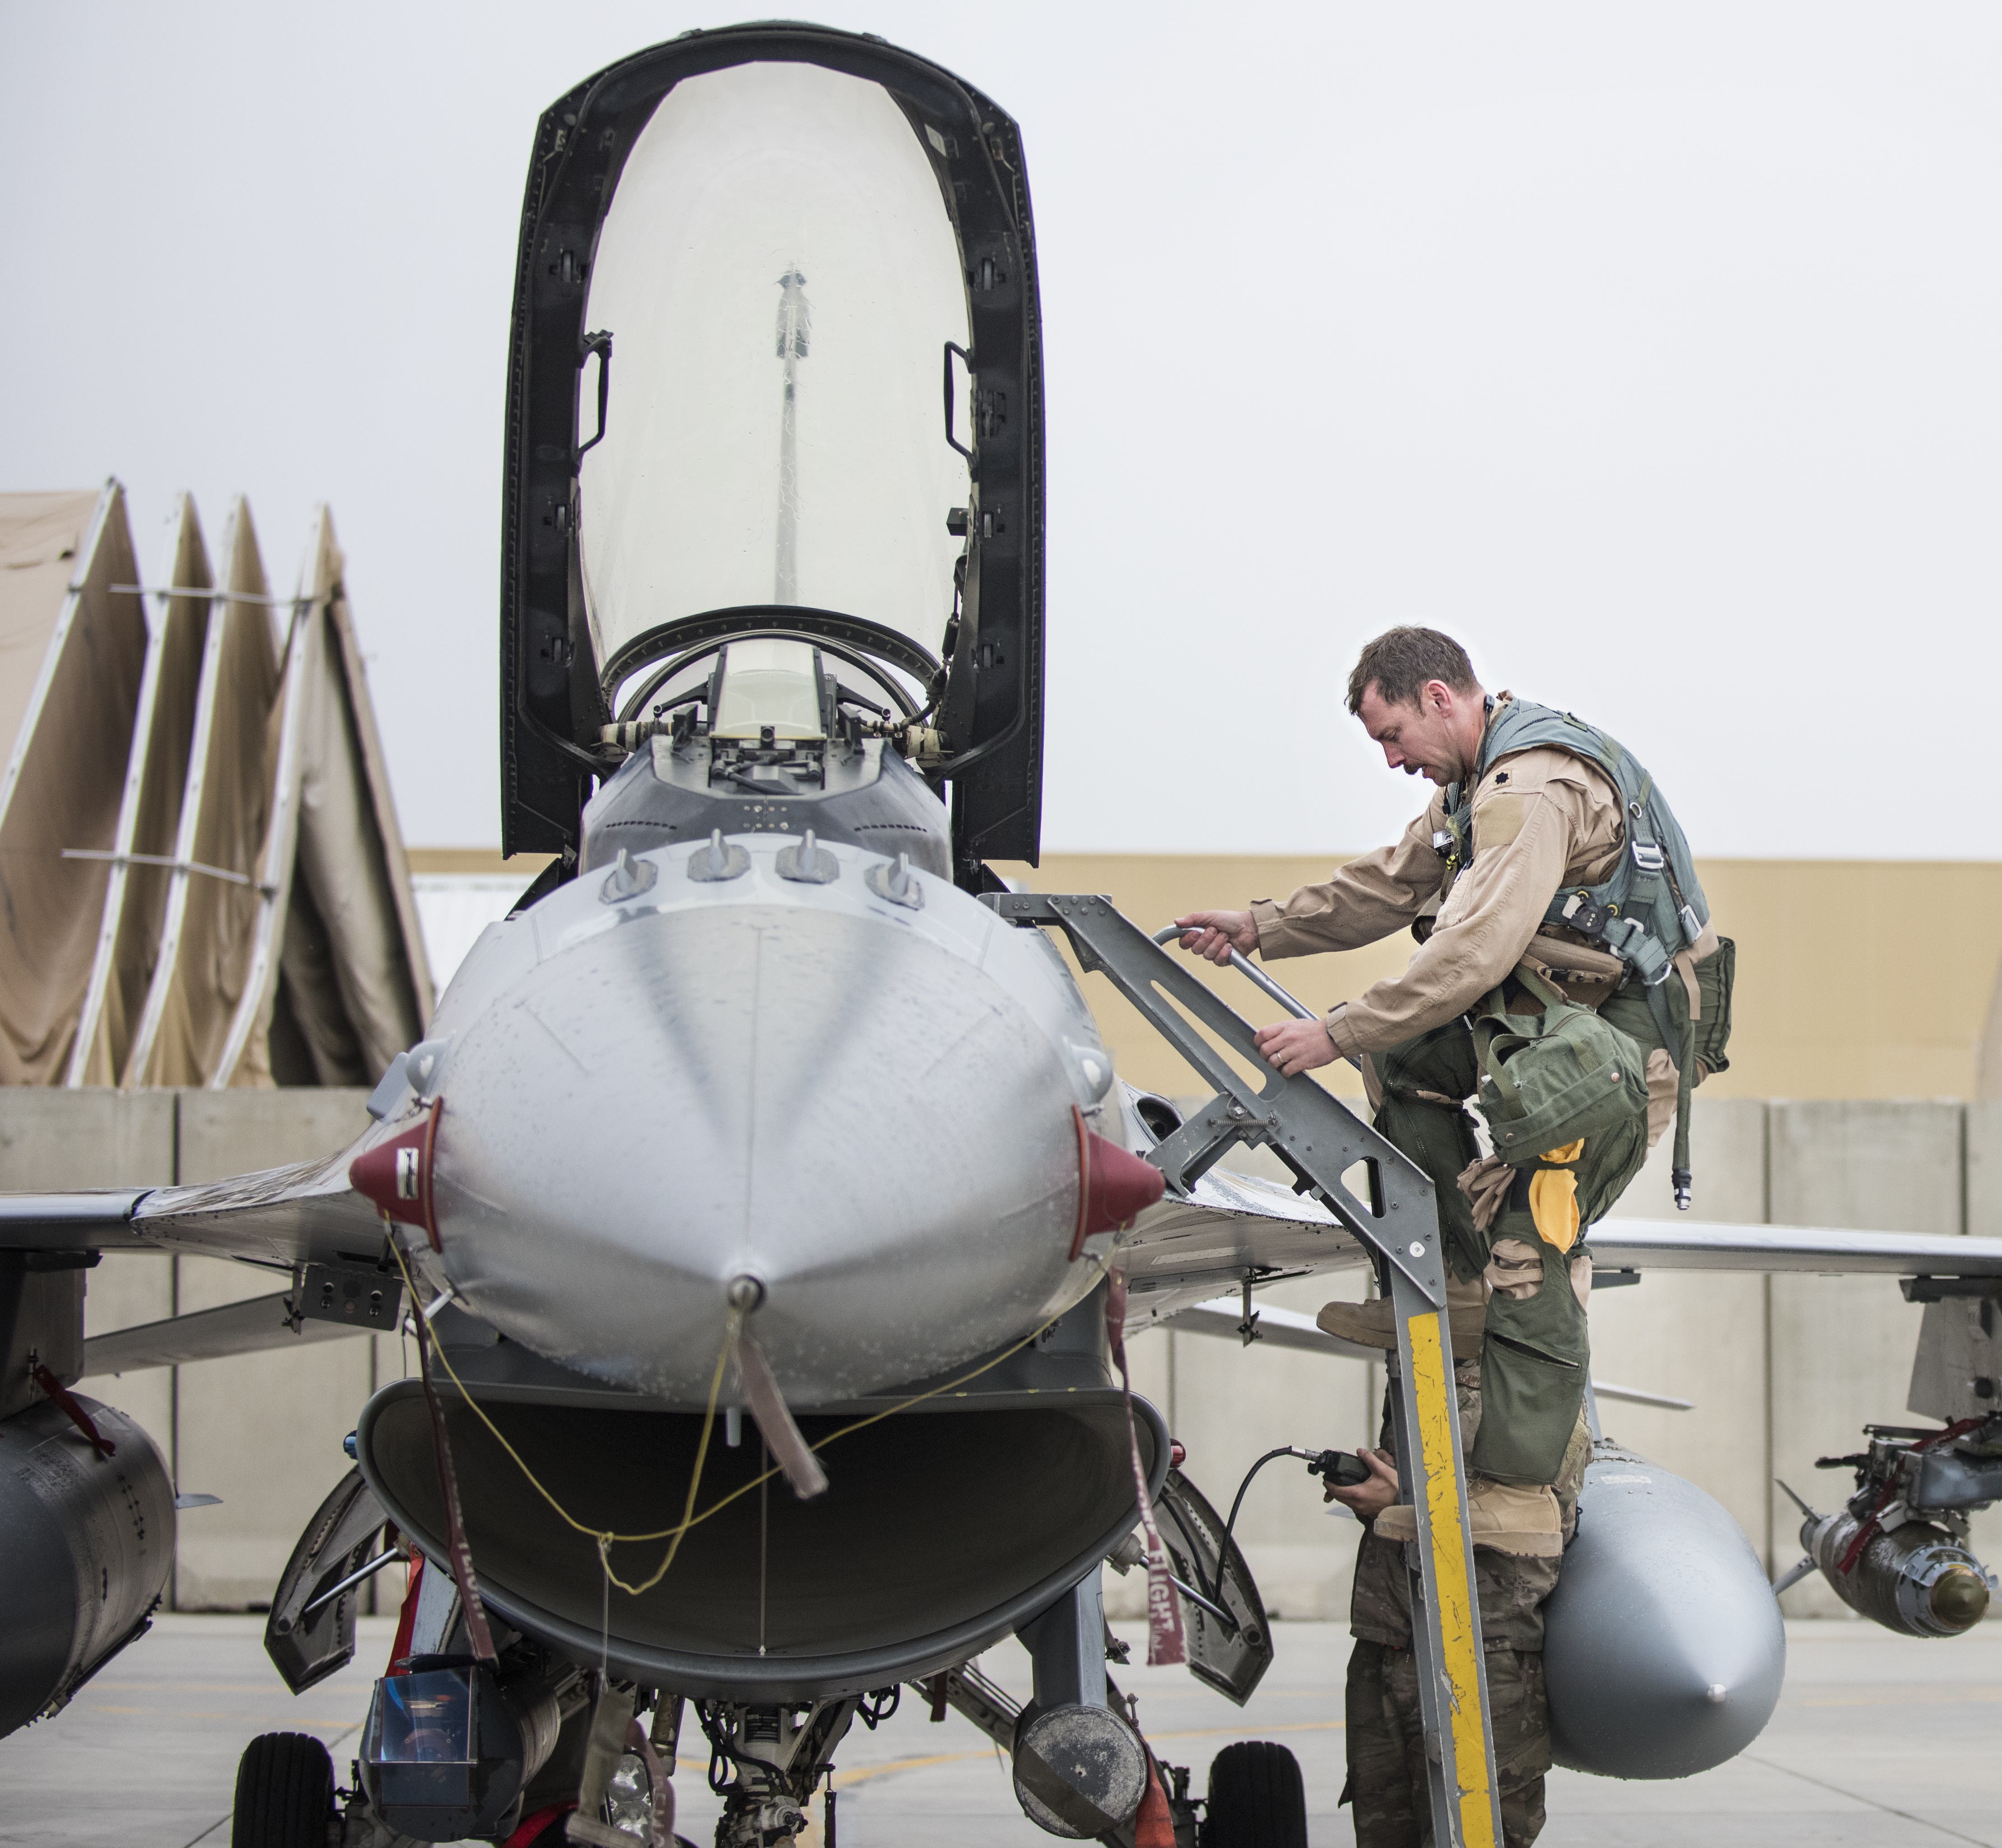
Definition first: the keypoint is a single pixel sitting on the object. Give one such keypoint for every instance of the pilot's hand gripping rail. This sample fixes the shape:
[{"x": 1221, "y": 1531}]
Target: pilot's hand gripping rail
[{"x": 1321, "y": 1140}]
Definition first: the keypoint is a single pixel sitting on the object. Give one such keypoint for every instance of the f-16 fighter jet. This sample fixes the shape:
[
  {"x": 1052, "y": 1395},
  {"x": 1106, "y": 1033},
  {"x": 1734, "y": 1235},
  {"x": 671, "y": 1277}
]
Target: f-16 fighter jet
[{"x": 763, "y": 1200}]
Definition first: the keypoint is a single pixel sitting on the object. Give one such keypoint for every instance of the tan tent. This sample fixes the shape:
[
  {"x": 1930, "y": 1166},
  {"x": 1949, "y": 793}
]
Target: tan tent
[
  {"x": 202, "y": 881},
  {"x": 338, "y": 982},
  {"x": 72, "y": 657},
  {"x": 135, "y": 899},
  {"x": 203, "y": 965}
]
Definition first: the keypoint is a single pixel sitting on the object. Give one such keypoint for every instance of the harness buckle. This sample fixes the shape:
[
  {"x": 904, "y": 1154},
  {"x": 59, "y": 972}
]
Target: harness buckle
[
  {"x": 1692, "y": 928},
  {"x": 1442, "y": 843},
  {"x": 1648, "y": 855},
  {"x": 1582, "y": 915}
]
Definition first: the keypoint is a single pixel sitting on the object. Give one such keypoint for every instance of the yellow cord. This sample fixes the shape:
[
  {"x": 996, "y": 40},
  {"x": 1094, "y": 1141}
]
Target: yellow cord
[
  {"x": 695, "y": 1476},
  {"x": 604, "y": 1538}
]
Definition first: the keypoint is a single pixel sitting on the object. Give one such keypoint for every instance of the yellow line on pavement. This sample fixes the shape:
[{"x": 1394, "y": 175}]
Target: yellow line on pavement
[
  {"x": 1238, "y": 1732},
  {"x": 847, "y": 1781}
]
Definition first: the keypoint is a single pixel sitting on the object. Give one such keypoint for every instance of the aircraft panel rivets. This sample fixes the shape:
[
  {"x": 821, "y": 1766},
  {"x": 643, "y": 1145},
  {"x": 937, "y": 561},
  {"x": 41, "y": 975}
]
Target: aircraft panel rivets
[{"x": 1417, "y": 1248}]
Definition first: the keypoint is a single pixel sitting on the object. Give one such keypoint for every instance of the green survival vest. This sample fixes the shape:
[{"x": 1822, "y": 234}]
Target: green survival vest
[{"x": 1647, "y": 911}]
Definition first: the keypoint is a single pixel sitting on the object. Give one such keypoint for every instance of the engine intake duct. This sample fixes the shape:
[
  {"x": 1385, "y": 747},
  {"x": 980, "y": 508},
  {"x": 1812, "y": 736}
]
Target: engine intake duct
[
  {"x": 943, "y": 1528},
  {"x": 86, "y": 1542}
]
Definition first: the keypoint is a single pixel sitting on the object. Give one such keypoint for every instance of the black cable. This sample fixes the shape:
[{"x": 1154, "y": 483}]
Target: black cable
[
  {"x": 1332, "y": 1465},
  {"x": 1223, "y": 1551}
]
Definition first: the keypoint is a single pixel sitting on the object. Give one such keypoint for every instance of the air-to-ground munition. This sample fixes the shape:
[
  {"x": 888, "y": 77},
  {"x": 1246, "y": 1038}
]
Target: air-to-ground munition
[
  {"x": 1920, "y": 1579},
  {"x": 1896, "y": 1551}
]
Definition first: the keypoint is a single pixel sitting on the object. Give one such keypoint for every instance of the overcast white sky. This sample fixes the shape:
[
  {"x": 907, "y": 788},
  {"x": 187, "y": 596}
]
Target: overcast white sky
[{"x": 1653, "y": 351}]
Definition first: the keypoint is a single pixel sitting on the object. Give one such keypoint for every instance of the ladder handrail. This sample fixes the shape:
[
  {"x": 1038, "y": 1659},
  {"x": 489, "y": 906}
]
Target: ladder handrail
[{"x": 1319, "y": 1139}]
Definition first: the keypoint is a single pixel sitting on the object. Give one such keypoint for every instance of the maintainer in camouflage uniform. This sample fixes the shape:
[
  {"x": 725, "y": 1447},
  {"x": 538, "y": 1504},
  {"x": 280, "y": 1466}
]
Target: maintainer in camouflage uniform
[{"x": 1386, "y": 1736}]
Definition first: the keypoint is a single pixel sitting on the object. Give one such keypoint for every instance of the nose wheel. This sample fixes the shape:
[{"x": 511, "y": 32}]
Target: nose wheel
[
  {"x": 1257, "y": 1799},
  {"x": 285, "y": 1792}
]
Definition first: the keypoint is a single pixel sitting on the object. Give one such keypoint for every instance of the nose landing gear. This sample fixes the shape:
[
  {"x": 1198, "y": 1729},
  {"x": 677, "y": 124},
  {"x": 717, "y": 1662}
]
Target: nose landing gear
[
  {"x": 285, "y": 1792},
  {"x": 778, "y": 1755},
  {"x": 1256, "y": 1798}
]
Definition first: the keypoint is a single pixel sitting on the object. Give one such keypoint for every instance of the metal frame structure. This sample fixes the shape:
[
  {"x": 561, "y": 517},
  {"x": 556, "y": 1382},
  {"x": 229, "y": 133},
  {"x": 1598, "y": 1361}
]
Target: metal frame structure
[{"x": 1322, "y": 1141}]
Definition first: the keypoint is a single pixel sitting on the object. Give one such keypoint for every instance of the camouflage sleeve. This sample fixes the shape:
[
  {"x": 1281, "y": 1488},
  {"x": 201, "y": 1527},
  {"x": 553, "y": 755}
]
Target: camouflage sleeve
[{"x": 1511, "y": 1590}]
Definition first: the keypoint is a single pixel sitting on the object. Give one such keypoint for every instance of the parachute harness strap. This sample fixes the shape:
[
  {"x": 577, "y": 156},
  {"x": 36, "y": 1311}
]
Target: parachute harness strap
[{"x": 604, "y": 1538}]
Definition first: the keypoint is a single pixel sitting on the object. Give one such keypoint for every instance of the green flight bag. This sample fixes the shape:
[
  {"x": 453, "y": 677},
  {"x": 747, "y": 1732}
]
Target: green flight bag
[{"x": 1552, "y": 1079}]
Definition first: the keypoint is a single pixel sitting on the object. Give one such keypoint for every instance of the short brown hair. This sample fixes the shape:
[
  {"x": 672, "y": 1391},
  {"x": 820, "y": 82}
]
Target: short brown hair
[{"x": 1399, "y": 661}]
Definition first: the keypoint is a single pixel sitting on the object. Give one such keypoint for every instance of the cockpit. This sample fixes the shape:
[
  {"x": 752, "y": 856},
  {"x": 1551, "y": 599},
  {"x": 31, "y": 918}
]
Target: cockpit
[
  {"x": 774, "y": 450},
  {"x": 762, "y": 734},
  {"x": 779, "y": 284}
]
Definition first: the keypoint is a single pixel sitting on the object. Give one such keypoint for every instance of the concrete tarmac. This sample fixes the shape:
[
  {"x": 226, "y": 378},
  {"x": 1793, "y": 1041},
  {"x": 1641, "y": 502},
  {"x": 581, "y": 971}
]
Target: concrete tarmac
[{"x": 1879, "y": 1739}]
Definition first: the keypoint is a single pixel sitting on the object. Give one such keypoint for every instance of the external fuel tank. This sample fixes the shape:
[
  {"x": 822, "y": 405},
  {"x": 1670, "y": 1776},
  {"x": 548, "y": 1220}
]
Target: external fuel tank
[
  {"x": 1663, "y": 1649},
  {"x": 87, "y": 1543}
]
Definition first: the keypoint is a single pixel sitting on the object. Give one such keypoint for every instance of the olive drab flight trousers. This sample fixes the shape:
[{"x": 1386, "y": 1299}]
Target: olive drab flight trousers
[{"x": 1537, "y": 1349}]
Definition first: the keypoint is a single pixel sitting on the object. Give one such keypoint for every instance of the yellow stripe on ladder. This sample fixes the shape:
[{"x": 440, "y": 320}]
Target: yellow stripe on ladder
[{"x": 1452, "y": 1582}]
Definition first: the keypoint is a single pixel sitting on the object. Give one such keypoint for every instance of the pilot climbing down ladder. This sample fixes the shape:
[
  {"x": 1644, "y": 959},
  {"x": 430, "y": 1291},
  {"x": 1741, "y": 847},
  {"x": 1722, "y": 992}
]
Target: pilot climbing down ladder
[{"x": 1568, "y": 980}]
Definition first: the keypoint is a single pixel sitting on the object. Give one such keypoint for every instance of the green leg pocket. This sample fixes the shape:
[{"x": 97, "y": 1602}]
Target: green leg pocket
[{"x": 1533, "y": 1364}]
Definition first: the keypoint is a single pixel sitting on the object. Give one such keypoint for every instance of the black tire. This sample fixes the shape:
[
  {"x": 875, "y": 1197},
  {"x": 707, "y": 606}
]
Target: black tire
[
  {"x": 285, "y": 1792},
  {"x": 1257, "y": 1799}
]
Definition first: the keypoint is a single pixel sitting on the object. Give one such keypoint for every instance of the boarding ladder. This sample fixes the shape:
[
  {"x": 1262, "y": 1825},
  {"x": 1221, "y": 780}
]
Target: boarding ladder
[{"x": 1320, "y": 1139}]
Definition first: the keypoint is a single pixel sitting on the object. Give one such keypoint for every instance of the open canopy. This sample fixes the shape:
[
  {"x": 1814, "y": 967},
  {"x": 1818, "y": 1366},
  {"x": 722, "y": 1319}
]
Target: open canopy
[{"x": 775, "y": 371}]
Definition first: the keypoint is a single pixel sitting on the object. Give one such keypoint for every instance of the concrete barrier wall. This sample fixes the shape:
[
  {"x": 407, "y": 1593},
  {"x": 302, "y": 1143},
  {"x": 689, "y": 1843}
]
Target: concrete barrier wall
[
  {"x": 262, "y": 1431},
  {"x": 1780, "y": 1370}
]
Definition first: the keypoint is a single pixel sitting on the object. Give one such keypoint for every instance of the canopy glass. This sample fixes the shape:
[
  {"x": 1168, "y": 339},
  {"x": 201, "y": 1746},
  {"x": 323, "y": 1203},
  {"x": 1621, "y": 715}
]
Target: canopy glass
[{"x": 780, "y": 278}]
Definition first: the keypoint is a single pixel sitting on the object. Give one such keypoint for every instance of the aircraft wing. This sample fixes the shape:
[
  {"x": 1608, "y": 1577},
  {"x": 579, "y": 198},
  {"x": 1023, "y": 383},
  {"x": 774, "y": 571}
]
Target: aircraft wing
[
  {"x": 246, "y": 1327},
  {"x": 1678, "y": 1245},
  {"x": 279, "y": 1219},
  {"x": 304, "y": 1214},
  {"x": 1232, "y": 1226},
  {"x": 1236, "y": 1227},
  {"x": 1289, "y": 1329}
]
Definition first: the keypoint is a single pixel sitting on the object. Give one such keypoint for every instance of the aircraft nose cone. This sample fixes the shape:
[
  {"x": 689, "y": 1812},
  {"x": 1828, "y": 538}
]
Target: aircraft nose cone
[
  {"x": 870, "y": 1121},
  {"x": 1663, "y": 1650}
]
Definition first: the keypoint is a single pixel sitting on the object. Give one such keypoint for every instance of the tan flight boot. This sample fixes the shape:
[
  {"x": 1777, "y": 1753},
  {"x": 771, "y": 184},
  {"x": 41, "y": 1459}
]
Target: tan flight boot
[
  {"x": 1369, "y": 1324},
  {"x": 1525, "y": 1521}
]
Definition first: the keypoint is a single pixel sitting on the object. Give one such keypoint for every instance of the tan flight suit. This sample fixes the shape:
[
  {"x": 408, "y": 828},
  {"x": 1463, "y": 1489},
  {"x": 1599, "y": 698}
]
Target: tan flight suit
[{"x": 1544, "y": 820}]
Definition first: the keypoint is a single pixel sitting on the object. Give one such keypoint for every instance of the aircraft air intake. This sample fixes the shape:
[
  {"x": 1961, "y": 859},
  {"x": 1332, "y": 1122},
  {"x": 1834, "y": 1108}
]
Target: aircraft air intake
[{"x": 942, "y": 1528}]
